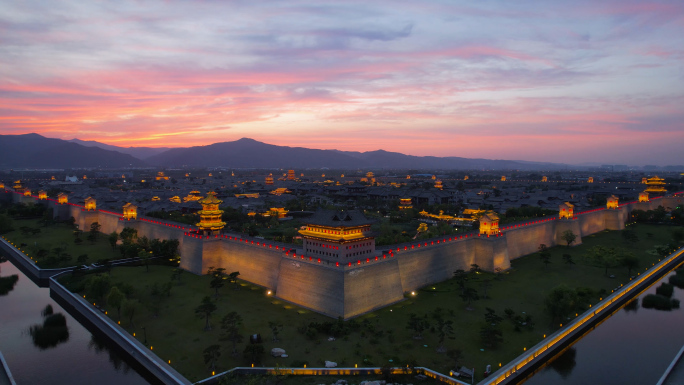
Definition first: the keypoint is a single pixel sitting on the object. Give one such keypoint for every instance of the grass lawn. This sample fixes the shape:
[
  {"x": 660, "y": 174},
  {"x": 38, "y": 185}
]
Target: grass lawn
[
  {"x": 177, "y": 333},
  {"x": 59, "y": 235}
]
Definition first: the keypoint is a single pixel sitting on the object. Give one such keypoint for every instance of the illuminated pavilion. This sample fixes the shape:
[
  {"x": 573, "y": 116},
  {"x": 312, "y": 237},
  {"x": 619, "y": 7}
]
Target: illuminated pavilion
[
  {"x": 210, "y": 215},
  {"x": 338, "y": 236},
  {"x": 655, "y": 185},
  {"x": 130, "y": 211},
  {"x": 489, "y": 223}
]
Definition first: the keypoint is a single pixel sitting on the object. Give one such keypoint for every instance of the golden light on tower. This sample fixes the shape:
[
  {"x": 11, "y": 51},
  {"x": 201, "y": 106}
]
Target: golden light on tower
[
  {"x": 269, "y": 179},
  {"x": 175, "y": 199},
  {"x": 62, "y": 198},
  {"x": 90, "y": 203},
  {"x": 210, "y": 215},
  {"x": 655, "y": 185},
  {"x": 466, "y": 177},
  {"x": 643, "y": 196},
  {"x": 27, "y": 193},
  {"x": 408, "y": 176},
  {"x": 42, "y": 194},
  {"x": 422, "y": 227},
  {"x": 438, "y": 184},
  {"x": 489, "y": 223},
  {"x": 130, "y": 211},
  {"x": 545, "y": 179},
  {"x": 161, "y": 176},
  {"x": 85, "y": 177},
  {"x": 612, "y": 202},
  {"x": 566, "y": 211},
  {"x": 590, "y": 179},
  {"x": 18, "y": 186},
  {"x": 52, "y": 177},
  {"x": 503, "y": 178},
  {"x": 2, "y": 185},
  {"x": 290, "y": 175},
  {"x": 405, "y": 204}
]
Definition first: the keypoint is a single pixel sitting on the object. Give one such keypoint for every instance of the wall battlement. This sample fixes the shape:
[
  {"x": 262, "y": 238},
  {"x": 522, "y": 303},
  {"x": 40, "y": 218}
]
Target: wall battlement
[{"x": 354, "y": 287}]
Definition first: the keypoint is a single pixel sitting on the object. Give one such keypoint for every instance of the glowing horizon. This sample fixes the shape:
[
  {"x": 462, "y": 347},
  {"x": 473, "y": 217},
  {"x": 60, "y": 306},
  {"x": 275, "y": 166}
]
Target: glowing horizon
[{"x": 567, "y": 82}]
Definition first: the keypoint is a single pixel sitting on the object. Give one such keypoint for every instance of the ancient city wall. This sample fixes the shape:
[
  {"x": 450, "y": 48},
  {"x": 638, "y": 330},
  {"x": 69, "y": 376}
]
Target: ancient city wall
[{"x": 368, "y": 284}]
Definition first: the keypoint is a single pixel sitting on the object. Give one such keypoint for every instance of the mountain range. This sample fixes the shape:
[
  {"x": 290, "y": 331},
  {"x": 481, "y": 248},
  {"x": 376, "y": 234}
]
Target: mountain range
[{"x": 33, "y": 150}]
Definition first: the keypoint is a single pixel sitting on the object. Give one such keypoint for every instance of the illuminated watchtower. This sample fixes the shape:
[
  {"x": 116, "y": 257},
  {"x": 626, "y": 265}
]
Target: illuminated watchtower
[
  {"x": 27, "y": 192},
  {"x": 269, "y": 179},
  {"x": 643, "y": 196},
  {"x": 545, "y": 179},
  {"x": 503, "y": 178},
  {"x": 405, "y": 204},
  {"x": 62, "y": 198},
  {"x": 489, "y": 224},
  {"x": 2, "y": 186},
  {"x": 655, "y": 185},
  {"x": 590, "y": 179},
  {"x": 612, "y": 202},
  {"x": 42, "y": 195},
  {"x": 290, "y": 175},
  {"x": 466, "y": 177},
  {"x": 566, "y": 210},
  {"x": 438, "y": 184},
  {"x": 210, "y": 215},
  {"x": 338, "y": 236},
  {"x": 130, "y": 211},
  {"x": 18, "y": 187},
  {"x": 90, "y": 204},
  {"x": 161, "y": 176}
]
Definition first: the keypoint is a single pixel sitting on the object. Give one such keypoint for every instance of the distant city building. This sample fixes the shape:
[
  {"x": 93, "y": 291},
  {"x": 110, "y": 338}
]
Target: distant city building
[
  {"x": 405, "y": 204},
  {"x": 161, "y": 176}
]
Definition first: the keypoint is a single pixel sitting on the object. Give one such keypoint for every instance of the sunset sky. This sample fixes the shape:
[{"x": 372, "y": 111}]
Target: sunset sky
[{"x": 562, "y": 81}]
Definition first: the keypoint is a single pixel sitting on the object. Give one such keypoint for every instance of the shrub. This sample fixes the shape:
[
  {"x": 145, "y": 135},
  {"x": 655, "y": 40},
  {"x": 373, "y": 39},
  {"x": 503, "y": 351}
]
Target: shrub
[{"x": 677, "y": 280}]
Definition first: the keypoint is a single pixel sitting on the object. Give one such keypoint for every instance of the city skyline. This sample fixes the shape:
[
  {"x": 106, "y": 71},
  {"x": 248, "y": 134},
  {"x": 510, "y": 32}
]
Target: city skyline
[{"x": 567, "y": 82}]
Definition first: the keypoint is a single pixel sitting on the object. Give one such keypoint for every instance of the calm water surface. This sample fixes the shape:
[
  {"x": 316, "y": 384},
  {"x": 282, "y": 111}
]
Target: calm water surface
[
  {"x": 634, "y": 346},
  {"x": 53, "y": 357}
]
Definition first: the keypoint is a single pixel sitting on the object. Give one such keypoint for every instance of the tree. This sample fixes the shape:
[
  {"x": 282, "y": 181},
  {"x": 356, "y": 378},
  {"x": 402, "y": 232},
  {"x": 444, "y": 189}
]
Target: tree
[
  {"x": 418, "y": 325},
  {"x": 567, "y": 258},
  {"x": 469, "y": 295},
  {"x": 113, "y": 238},
  {"x": 176, "y": 274},
  {"x": 491, "y": 336},
  {"x": 145, "y": 257},
  {"x": 94, "y": 230},
  {"x": 486, "y": 285},
  {"x": 83, "y": 258},
  {"x": 677, "y": 236},
  {"x": 461, "y": 277},
  {"x": 253, "y": 353},
  {"x": 231, "y": 327},
  {"x": 276, "y": 328},
  {"x": 561, "y": 301},
  {"x": 128, "y": 235},
  {"x": 115, "y": 298},
  {"x": 232, "y": 277},
  {"x": 629, "y": 260},
  {"x": 211, "y": 355},
  {"x": 603, "y": 256},
  {"x": 569, "y": 237},
  {"x": 130, "y": 307},
  {"x": 98, "y": 286},
  {"x": 205, "y": 309},
  {"x": 491, "y": 317},
  {"x": 218, "y": 276},
  {"x": 445, "y": 328},
  {"x": 544, "y": 254}
]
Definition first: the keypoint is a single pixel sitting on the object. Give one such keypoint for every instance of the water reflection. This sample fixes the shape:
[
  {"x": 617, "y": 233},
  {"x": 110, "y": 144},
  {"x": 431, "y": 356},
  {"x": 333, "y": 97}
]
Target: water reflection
[
  {"x": 7, "y": 284},
  {"x": 99, "y": 346},
  {"x": 632, "y": 306},
  {"x": 52, "y": 332},
  {"x": 564, "y": 363}
]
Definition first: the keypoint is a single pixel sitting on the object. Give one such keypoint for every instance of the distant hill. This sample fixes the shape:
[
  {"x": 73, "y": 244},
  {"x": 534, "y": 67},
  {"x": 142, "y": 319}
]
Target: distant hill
[
  {"x": 33, "y": 150},
  {"x": 249, "y": 153},
  {"x": 138, "y": 152}
]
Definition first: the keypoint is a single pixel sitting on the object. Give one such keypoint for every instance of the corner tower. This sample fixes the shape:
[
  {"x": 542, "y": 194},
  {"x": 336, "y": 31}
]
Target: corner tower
[{"x": 338, "y": 236}]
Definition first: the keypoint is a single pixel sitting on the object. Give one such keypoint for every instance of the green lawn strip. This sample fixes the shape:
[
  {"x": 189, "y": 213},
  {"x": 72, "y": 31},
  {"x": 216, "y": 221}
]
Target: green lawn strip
[
  {"x": 177, "y": 333},
  {"x": 60, "y": 235}
]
